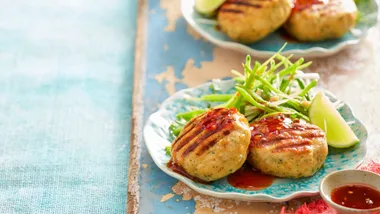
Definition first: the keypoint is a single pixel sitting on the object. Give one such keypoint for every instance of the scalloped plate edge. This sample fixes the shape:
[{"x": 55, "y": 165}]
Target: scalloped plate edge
[
  {"x": 235, "y": 196},
  {"x": 310, "y": 52}
]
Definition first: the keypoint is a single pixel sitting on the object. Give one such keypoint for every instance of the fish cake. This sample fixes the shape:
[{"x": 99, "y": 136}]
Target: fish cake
[
  {"x": 320, "y": 20},
  {"x": 248, "y": 21},
  {"x": 213, "y": 144},
  {"x": 284, "y": 147}
]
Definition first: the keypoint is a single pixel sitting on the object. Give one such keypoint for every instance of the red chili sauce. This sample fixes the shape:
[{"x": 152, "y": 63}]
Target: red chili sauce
[
  {"x": 262, "y": 130},
  {"x": 272, "y": 124},
  {"x": 303, "y": 4},
  {"x": 212, "y": 122},
  {"x": 249, "y": 179},
  {"x": 218, "y": 118},
  {"x": 178, "y": 169},
  {"x": 356, "y": 196}
]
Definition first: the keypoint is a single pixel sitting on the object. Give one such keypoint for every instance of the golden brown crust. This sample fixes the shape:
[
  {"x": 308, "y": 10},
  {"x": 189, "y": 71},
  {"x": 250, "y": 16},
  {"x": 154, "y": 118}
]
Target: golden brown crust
[
  {"x": 284, "y": 147},
  {"x": 251, "y": 20},
  {"x": 293, "y": 137},
  {"x": 322, "y": 21},
  {"x": 212, "y": 145},
  {"x": 202, "y": 132}
]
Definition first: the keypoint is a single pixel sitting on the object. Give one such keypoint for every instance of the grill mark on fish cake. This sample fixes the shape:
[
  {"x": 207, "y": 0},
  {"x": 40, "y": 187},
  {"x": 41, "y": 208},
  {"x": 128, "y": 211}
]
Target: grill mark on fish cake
[
  {"x": 195, "y": 124},
  {"x": 329, "y": 7},
  {"x": 230, "y": 11},
  {"x": 186, "y": 129},
  {"x": 198, "y": 142},
  {"x": 326, "y": 8},
  {"x": 206, "y": 146},
  {"x": 205, "y": 131},
  {"x": 311, "y": 133},
  {"x": 225, "y": 123},
  {"x": 243, "y": 3},
  {"x": 187, "y": 138},
  {"x": 297, "y": 144},
  {"x": 279, "y": 135},
  {"x": 287, "y": 135},
  {"x": 300, "y": 147},
  {"x": 300, "y": 5}
]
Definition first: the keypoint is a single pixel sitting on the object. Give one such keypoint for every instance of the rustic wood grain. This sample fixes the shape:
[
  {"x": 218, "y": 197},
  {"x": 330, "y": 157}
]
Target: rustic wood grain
[{"x": 137, "y": 113}]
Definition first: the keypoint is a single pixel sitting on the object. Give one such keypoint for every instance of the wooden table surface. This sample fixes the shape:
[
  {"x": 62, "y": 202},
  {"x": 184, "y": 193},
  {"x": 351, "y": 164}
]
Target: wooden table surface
[{"x": 171, "y": 56}]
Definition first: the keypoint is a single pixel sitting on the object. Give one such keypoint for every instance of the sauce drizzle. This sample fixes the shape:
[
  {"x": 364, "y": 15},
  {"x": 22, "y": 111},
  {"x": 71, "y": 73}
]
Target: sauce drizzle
[
  {"x": 249, "y": 179},
  {"x": 212, "y": 122},
  {"x": 356, "y": 196},
  {"x": 303, "y": 4},
  {"x": 282, "y": 133},
  {"x": 178, "y": 169}
]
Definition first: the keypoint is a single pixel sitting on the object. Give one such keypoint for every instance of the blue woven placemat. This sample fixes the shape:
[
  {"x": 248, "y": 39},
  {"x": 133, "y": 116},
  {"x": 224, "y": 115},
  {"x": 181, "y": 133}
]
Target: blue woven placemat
[{"x": 65, "y": 105}]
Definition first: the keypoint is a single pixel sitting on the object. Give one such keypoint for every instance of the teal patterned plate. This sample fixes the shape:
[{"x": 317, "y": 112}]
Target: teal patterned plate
[
  {"x": 369, "y": 16},
  {"x": 157, "y": 137}
]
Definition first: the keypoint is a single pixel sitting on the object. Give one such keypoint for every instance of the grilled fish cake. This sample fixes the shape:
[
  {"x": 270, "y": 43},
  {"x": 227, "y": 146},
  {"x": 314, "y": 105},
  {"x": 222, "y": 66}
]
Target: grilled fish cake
[
  {"x": 320, "y": 20},
  {"x": 288, "y": 148},
  {"x": 248, "y": 21},
  {"x": 212, "y": 145}
]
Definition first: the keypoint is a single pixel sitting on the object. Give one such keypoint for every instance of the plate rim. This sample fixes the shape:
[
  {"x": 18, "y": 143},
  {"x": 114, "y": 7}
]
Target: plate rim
[
  {"x": 310, "y": 52},
  {"x": 259, "y": 197}
]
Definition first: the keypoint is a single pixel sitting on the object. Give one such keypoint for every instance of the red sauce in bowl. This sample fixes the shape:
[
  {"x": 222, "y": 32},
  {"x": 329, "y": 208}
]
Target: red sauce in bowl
[
  {"x": 356, "y": 196},
  {"x": 249, "y": 179}
]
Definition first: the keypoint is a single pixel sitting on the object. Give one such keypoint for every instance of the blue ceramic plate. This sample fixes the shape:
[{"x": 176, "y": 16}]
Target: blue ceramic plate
[
  {"x": 273, "y": 42},
  {"x": 157, "y": 137}
]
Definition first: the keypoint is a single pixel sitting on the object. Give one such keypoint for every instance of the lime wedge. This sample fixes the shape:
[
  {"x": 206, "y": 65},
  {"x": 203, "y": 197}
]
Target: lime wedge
[
  {"x": 207, "y": 7},
  {"x": 323, "y": 114}
]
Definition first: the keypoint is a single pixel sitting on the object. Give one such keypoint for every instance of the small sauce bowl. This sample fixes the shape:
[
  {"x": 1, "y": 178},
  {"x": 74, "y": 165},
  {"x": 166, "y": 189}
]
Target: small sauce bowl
[{"x": 347, "y": 177}]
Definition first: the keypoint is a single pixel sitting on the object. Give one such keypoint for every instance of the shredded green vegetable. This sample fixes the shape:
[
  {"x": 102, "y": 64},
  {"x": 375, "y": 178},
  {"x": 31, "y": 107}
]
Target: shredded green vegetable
[
  {"x": 275, "y": 86},
  {"x": 167, "y": 150}
]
